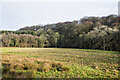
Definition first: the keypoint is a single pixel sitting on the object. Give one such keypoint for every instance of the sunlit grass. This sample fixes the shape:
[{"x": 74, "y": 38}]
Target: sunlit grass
[{"x": 70, "y": 63}]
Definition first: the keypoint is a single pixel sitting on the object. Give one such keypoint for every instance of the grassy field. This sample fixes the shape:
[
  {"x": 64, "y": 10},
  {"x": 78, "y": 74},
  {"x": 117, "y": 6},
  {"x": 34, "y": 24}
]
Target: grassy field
[{"x": 59, "y": 63}]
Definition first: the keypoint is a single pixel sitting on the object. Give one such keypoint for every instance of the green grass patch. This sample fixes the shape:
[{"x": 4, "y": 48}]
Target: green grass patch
[{"x": 59, "y": 63}]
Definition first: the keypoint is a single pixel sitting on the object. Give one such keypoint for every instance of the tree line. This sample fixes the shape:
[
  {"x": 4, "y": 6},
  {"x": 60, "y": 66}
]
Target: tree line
[{"x": 87, "y": 33}]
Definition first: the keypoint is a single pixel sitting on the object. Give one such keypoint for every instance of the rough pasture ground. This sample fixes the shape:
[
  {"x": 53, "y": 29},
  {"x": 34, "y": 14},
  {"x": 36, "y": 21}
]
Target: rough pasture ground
[{"x": 59, "y": 63}]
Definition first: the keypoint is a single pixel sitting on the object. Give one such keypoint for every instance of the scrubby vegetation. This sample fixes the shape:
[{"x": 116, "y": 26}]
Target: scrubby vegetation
[
  {"x": 59, "y": 63},
  {"x": 87, "y": 33},
  {"x": 17, "y": 67}
]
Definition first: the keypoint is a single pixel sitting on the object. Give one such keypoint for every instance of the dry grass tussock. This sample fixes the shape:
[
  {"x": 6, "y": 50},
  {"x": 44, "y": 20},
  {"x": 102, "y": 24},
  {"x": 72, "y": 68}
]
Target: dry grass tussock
[{"x": 20, "y": 66}]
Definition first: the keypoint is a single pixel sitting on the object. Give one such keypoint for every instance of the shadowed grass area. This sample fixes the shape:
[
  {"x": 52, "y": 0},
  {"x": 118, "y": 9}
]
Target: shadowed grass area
[{"x": 59, "y": 63}]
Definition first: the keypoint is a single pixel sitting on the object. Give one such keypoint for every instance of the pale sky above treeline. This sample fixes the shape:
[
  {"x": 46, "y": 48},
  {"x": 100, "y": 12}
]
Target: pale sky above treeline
[{"x": 16, "y": 14}]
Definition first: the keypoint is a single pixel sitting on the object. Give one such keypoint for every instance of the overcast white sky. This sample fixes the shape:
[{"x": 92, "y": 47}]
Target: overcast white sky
[
  {"x": 59, "y": 0},
  {"x": 15, "y": 14}
]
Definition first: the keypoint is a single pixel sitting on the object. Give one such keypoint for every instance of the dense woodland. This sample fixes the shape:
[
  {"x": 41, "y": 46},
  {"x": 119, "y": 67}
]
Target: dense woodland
[{"x": 87, "y": 33}]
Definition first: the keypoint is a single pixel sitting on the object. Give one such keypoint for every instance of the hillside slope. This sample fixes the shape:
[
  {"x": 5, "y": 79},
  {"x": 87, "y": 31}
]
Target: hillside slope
[{"x": 86, "y": 33}]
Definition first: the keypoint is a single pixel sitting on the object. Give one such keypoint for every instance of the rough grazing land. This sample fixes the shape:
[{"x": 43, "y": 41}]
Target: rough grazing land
[{"x": 59, "y": 63}]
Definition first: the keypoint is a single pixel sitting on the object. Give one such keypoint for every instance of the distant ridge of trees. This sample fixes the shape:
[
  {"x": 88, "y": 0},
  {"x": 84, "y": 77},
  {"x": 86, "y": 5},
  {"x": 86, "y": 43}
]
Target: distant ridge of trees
[{"x": 87, "y": 33}]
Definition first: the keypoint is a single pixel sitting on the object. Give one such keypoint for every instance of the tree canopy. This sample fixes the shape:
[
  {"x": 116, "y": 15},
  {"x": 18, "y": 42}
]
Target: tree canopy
[{"x": 87, "y": 33}]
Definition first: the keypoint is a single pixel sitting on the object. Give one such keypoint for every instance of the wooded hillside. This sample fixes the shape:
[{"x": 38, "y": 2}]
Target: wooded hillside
[{"x": 87, "y": 33}]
